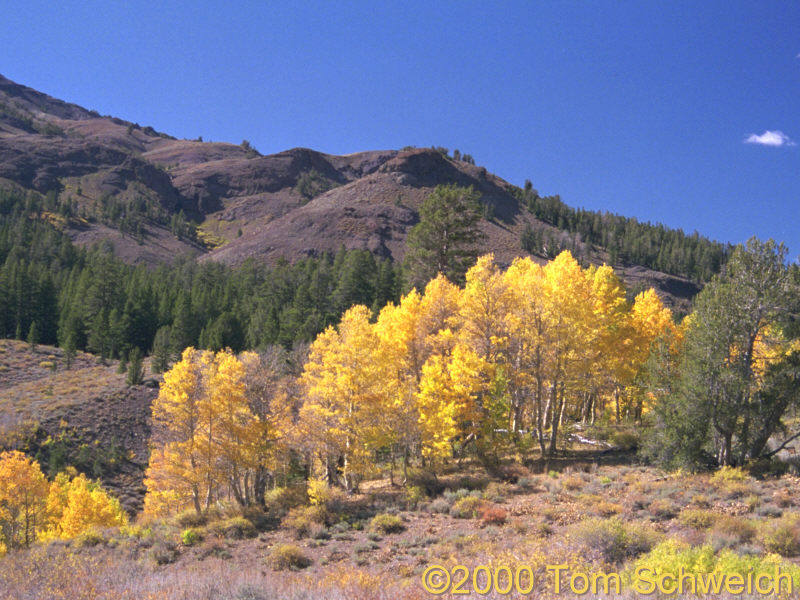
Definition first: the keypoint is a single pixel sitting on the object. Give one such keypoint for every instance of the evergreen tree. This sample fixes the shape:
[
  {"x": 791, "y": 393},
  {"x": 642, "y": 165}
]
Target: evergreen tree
[
  {"x": 69, "y": 350},
  {"x": 135, "y": 367},
  {"x": 161, "y": 356},
  {"x": 33, "y": 336},
  {"x": 738, "y": 369},
  {"x": 445, "y": 239}
]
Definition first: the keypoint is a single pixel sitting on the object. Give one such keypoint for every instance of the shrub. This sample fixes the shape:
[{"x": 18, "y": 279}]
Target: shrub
[
  {"x": 698, "y": 518},
  {"x": 613, "y": 539},
  {"x": 301, "y": 519},
  {"x": 190, "y": 537},
  {"x": 89, "y": 538},
  {"x": 164, "y": 553},
  {"x": 425, "y": 480},
  {"x": 472, "y": 482},
  {"x": 526, "y": 483},
  {"x": 365, "y": 547},
  {"x": 321, "y": 494},
  {"x": 783, "y": 498},
  {"x": 467, "y": 508},
  {"x": 288, "y": 557},
  {"x": 573, "y": 482},
  {"x": 606, "y": 509},
  {"x": 672, "y": 555},
  {"x": 493, "y": 515},
  {"x": 769, "y": 511},
  {"x": 414, "y": 495},
  {"x": 627, "y": 439},
  {"x": 262, "y": 520},
  {"x": 662, "y": 510},
  {"x": 731, "y": 532},
  {"x": 386, "y": 523},
  {"x": 440, "y": 505},
  {"x": 494, "y": 492},
  {"x": 283, "y": 499},
  {"x": 727, "y": 475},
  {"x": 753, "y": 502},
  {"x": 736, "y": 489},
  {"x": 235, "y": 528},
  {"x": 190, "y": 518},
  {"x": 701, "y": 501},
  {"x": 513, "y": 473},
  {"x": 781, "y": 536}
]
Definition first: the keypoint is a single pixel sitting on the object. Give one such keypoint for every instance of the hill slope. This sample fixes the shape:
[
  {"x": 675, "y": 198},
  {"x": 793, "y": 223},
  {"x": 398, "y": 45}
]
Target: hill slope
[{"x": 155, "y": 197}]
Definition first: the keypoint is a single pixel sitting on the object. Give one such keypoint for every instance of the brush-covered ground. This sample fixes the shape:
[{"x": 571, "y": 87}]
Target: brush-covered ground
[
  {"x": 84, "y": 415},
  {"x": 378, "y": 543}
]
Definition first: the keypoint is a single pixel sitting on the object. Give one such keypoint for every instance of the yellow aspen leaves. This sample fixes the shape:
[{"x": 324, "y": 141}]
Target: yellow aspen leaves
[
  {"x": 78, "y": 504},
  {"x": 23, "y": 494}
]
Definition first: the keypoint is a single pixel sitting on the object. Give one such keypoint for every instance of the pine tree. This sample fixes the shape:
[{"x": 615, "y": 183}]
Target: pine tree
[
  {"x": 445, "y": 239},
  {"x": 69, "y": 350},
  {"x": 33, "y": 336},
  {"x": 161, "y": 356},
  {"x": 135, "y": 367}
]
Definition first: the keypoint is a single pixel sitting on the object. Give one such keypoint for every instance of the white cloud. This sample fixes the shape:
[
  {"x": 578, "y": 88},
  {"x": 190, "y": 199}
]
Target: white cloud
[{"x": 770, "y": 138}]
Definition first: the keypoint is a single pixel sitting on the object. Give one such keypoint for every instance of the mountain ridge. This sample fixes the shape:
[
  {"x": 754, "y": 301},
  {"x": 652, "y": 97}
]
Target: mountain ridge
[{"x": 290, "y": 204}]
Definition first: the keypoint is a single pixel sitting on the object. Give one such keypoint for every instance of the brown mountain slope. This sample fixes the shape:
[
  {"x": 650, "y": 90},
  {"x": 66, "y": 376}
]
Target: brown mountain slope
[{"x": 290, "y": 204}]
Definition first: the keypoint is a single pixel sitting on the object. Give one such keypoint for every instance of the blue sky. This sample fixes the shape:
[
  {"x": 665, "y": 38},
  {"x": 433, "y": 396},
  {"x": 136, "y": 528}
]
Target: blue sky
[{"x": 636, "y": 107}]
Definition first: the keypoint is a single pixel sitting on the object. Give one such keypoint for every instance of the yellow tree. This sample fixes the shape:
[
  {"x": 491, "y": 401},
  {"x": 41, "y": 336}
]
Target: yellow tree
[
  {"x": 230, "y": 424},
  {"x": 569, "y": 311},
  {"x": 612, "y": 340},
  {"x": 23, "y": 496},
  {"x": 179, "y": 470},
  {"x": 447, "y": 400},
  {"x": 403, "y": 348},
  {"x": 78, "y": 504},
  {"x": 440, "y": 313},
  {"x": 650, "y": 320},
  {"x": 484, "y": 308},
  {"x": 268, "y": 388},
  {"x": 340, "y": 417},
  {"x": 527, "y": 344}
]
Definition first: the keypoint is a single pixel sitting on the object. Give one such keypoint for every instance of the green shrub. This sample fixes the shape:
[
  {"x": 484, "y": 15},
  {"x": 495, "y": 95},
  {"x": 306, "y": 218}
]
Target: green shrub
[
  {"x": 672, "y": 555},
  {"x": 190, "y": 537},
  {"x": 440, "y": 505},
  {"x": 613, "y": 539},
  {"x": 190, "y": 518},
  {"x": 386, "y": 523},
  {"x": 301, "y": 519},
  {"x": 731, "y": 532},
  {"x": 662, "y": 510},
  {"x": 698, "y": 518},
  {"x": 283, "y": 499},
  {"x": 495, "y": 492},
  {"x": 425, "y": 480},
  {"x": 414, "y": 495},
  {"x": 606, "y": 509},
  {"x": 467, "y": 508},
  {"x": 626, "y": 439},
  {"x": 728, "y": 474},
  {"x": 781, "y": 536},
  {"x": 235, "y": 528},
  {"x": 89, "y": 538},
  {"x": 164, "y": 553},
  {"x": 287, "y": 557},
  {"x": 322, "y": 494}
]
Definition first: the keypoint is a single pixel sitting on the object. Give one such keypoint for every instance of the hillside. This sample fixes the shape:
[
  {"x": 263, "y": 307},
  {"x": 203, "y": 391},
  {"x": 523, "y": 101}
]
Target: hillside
[
  {"x": 83, "y": 415},
  {"x": 155, "y": 197}
]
